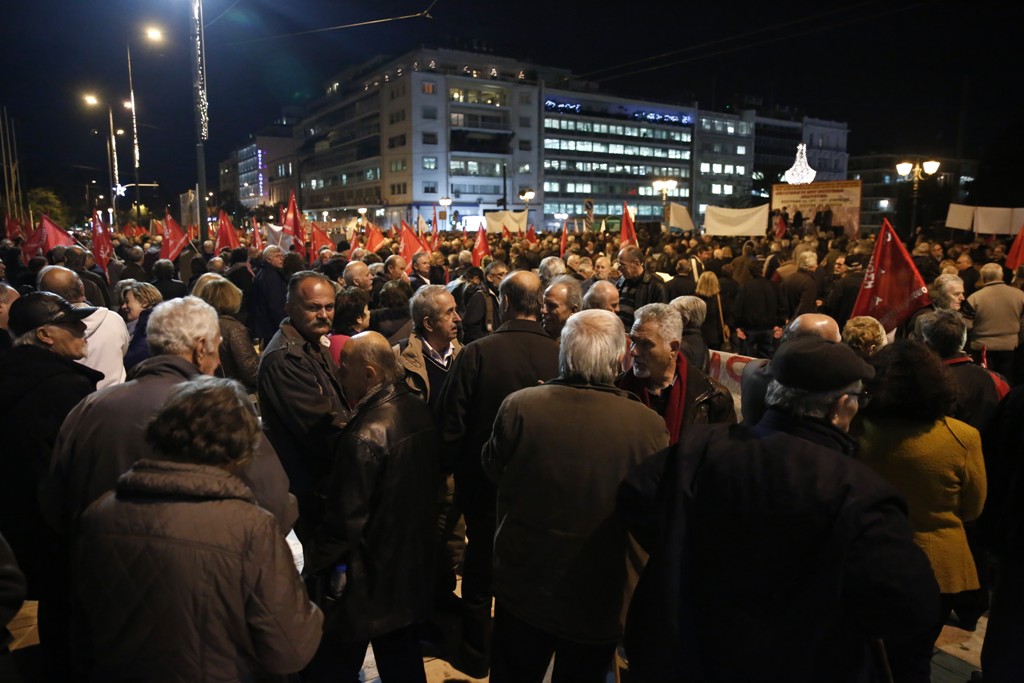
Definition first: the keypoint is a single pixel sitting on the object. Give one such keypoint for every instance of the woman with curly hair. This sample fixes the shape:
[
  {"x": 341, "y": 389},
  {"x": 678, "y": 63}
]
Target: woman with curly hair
[{"x": 935, "y": 461}]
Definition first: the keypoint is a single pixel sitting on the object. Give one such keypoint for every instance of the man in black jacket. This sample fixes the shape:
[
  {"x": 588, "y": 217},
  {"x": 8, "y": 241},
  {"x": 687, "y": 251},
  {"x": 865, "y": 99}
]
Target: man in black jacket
[
  {"x": 519, "y": 354},
  {"x": 637, "y": 286},
  {"x": 377, "y": 535},
  {"x": 772, "y": 548}
]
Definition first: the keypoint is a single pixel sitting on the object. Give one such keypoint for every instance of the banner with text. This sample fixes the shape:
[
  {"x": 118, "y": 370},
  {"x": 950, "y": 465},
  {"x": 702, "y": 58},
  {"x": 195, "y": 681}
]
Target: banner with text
[
  {"x": 727, "y": 368},
  {"x": 838, "y": 200}
]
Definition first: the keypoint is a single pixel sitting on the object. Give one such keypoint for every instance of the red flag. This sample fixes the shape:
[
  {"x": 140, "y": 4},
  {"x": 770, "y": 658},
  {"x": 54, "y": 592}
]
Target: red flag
[
  {"x": 463, "y": 232},
  {"x": 480, "y": 248},
  {"x": 101, "y": 245},
  {"x": 293, "y": 226},
  {"x": 374, "y": 239},
  {"x": 47, "y": 236},
  {"x": 410, "y": 245},
  {"x": 257, "y": 239},
  {"x": 505, "y": 233},
  {"x": 436, "y": 238},
  {"x": 628, "y": 233},
  {"x": 565, "y": 239},
  {"x": 354, "y": 244},
  {"x": 175, "y": 239},
  {"x": 13, "y": 228},
  {"x": 892, "y": 288},
  {"x": 531, "y": 236},
  {"x": 1016, "y": 255},
  {"x": 417, "y": 235},
  {"x": 226, "y": 235},
  {"x": 281, "y": 214},
  {"x": 318, "y": 239}
]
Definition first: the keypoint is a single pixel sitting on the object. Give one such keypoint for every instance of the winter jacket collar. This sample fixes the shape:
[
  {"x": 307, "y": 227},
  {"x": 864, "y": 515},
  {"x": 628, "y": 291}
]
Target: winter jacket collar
[
  {"x": 25, "y": 366},
  {"x": 184, "y": 481},
  {"x": 519, "y": 325},
  {"x": 165, "y": 365},
  {"x": 809, "y": 429},
  {"x": 380, "y": 394},
  {"x": 605, "y": 388}
]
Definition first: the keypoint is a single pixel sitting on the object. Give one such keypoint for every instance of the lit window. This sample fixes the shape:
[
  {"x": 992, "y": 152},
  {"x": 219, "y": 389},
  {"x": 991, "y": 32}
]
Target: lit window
[
  {"x": 728, "y": 168},
  {"x": 727, "y": 189},
  {"x": 716, "y": 188},
  {"x": 524, "y": 168},
  {"x": 741, "y": 149},
  {"x": 705, "y": 167},
  {"x": 430, "y": 163},
  {"x": 702, "y": 208},
  {"x": 550, "y": 187},
  {"x": 741, "y": 170},
  {"x": 716, "y": 168},
  {"x": 429, "y": 87}
]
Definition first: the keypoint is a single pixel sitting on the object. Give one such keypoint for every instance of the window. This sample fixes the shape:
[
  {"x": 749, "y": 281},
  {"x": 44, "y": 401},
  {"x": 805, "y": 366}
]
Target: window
[
  {"x": 525, "y": 145},
  {"x": 398, "y": 188},
  {"x": 430, "y": 163},
  {"x": 429, "y": 87},
  {"x": 428, "y": 138},
  {"x": 524, "y": 98},
  {"x": 396, "y": 116},
  {"x": 524, "y": 168},
  {"x": 524, "y": 121},
  {"x": 741, "y": 149},
  {"x": 741, "y": 170},
  {"x": 397, "y": 165},
  {"x": 396, "y": 141},
  {"x": 728, "y": 168},
  {"x": 727, "y": 189},
  {"x": 550, "y": 187},
  {"x": 458, "y": 119},
  {"x": 705, "y": 167},
  {"x": 430, "y": 187},
  {"x": 430, "y": 113},
  {"x": 716, "y": 168},
  {"x": 716, "y": 188}
]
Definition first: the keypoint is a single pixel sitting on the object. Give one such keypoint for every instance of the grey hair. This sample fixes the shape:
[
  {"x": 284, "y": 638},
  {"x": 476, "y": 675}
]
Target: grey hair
[
  {"x": 991, "y": 272},
  {"x": 940, "y": 287},
  {"x": 667, "y": 319},
  {"x": 176, "y": 325},
  {"x": 598, "y": 294},
  {"x": 272, "y": 249},
  {"x": 803, "y": 403},
  {"x": 425, "y": 303},
  {"x": 693, "y": 309},
  {"x": 466, "y": 257},
  {"x": 593, "y": 343},
  {"x": 550, "y": 268},
  {"x": 807, "y": 259},
  {"x": 573, "y": 291}
]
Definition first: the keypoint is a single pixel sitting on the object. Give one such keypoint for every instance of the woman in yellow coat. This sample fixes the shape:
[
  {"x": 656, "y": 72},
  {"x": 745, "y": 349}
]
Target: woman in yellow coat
[{"x": 933, "y": 460}]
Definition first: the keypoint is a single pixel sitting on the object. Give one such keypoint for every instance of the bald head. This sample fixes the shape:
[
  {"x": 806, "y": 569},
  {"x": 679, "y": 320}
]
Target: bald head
[
  {"x": 357, "y": 274},
  {"x": 521, "y": 295},
  {"x": 367, "y": 361},
  {"x": 63, "y": 282},
  {"x": 813, "y": 325},
  {"x": 603, "y": 295}
]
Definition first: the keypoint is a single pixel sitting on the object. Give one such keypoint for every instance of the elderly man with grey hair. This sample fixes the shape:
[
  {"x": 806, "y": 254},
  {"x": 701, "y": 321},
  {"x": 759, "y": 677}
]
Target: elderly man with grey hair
[
  {"x": 266, "y": 298},
  {"x": 602, "y": 295},
  {"x": 998, "y": 321},
  {"x": 550, "y": 268},
  {"x": 560, "y": 553},
  {"x": 562, "y": 298},
  {"x": 665, "y": 381},
  {"x": 781, "y": 512},
  {"x": 105, "y": 434},
  {"x": 800, "y": 289},
  {"x": 694, "y": 310}
]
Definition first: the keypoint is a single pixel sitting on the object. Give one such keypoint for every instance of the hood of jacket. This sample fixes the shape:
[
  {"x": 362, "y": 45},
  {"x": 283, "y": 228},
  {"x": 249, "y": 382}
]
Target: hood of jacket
[{"x": 181, "y": 480}]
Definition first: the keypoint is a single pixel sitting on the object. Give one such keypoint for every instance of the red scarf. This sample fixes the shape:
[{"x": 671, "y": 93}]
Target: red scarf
[{"x": 676, "y": 405}]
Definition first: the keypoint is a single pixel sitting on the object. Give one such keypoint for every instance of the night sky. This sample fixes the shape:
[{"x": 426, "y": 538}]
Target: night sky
[{"x": 902, "y": 74}]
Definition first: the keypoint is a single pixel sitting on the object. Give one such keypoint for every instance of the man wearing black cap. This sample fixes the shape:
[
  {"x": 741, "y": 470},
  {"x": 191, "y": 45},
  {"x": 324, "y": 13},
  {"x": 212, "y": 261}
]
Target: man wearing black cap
[
  {"x": 772, "y": 548},
  {"x": 40, "y": 383}
]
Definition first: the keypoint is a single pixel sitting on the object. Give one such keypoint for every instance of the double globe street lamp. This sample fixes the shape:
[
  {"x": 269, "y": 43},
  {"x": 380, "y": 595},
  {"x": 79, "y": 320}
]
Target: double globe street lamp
[{"x": 916, "y": 171}]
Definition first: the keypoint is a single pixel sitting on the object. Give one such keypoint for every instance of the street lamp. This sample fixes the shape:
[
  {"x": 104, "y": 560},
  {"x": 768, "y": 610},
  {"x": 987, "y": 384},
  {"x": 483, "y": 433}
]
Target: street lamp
[
  {"x": 115, "y": 183},
  {"x": 201, "y": 105},
  {"x": 527, "y": 194},
  {"x": 664, "y": 187},
  {"x": 916, "y": 171},
  {"x": 445, "y": 202}
]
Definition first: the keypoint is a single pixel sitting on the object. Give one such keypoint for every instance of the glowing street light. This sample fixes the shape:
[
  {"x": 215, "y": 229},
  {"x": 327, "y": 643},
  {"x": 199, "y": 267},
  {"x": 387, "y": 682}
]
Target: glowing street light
[
  {"x": 445, "y": 202},
  {"x": 916, "y": 171},
  {"x": 92, "y": 100},
  {"x": 664, "y": 186},
  {"x": 154, "y": 34}
]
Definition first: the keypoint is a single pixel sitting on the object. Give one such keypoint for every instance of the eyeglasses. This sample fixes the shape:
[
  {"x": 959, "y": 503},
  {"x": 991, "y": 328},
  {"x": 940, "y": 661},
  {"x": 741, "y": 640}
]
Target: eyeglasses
[{"x": 863, "y": 397}]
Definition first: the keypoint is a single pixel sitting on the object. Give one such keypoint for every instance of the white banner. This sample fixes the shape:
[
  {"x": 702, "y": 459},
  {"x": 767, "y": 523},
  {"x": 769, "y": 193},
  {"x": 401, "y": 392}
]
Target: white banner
[
  {"x": 736, "y": 222},
  {"x": 515, "y": 221},
  {"x": 278, "y": 237},
  {"x": 960, "y": 216},
  {"x": 679, "y": 217},
  {"x": 727, "y": 368},
  {"x": 991, "y": 220}
]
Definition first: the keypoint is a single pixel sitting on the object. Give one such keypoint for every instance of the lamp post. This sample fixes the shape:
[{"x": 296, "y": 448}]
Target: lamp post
[
  {"x": 115, "y": 185},
  {"x": 916, "y": 171},
  {"x": 527, "y": 194},
  {"x": 155, "y": 35},
  {"x": 201, "y": 105},
  {"x": 445, "y": 202},
  {"x": 664, "y": 186}
]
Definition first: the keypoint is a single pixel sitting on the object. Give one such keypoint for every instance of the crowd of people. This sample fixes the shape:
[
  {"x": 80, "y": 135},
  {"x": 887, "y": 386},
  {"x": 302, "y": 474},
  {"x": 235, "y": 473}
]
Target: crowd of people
[{"x": 253, "y": 465}]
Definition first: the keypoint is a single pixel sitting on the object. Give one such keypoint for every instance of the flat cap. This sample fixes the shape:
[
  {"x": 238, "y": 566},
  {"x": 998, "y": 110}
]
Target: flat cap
[
  {"x": 816, "y": 365},
  {"x": 43, "y": 308}
]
